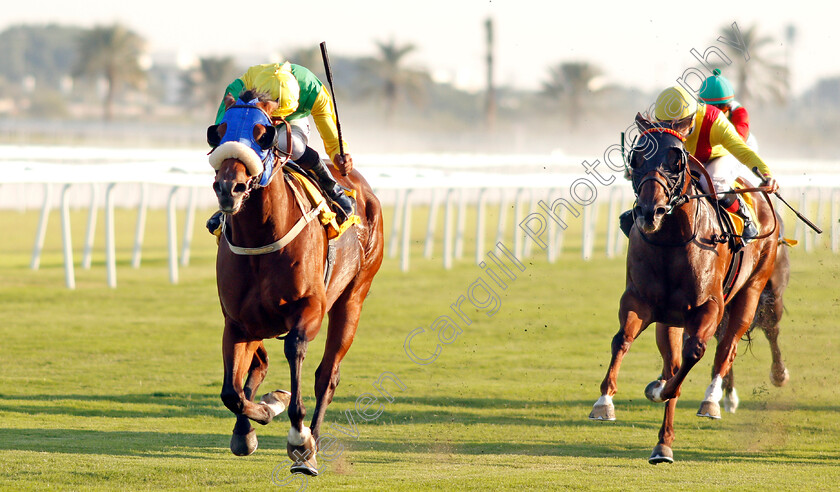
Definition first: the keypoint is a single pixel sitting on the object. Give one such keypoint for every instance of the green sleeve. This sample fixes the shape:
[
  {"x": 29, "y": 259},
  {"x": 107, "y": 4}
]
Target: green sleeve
[{"x": 234, "y": 89}]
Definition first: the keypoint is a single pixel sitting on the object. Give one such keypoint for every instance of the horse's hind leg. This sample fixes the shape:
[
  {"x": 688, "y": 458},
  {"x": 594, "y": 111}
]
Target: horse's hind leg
[
  {"x": 778, "y": 372},
  {"x": 741, "y": 313},
  {"x": 633, "y": 318},
  {"x": 730, "y": 394},
  {"x": 771, "y": 314},
  {"x": 344, "y": 320}
]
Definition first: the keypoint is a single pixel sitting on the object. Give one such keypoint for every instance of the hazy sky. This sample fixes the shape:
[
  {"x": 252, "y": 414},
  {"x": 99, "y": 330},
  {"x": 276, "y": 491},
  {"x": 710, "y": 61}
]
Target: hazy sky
[{"x": 642, "y": 44}]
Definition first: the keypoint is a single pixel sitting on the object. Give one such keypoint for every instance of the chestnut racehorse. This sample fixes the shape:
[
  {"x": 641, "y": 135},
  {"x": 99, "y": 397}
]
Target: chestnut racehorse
[
  {"x": 282, "y": 293},
  {"x": 676, "y": 265}
]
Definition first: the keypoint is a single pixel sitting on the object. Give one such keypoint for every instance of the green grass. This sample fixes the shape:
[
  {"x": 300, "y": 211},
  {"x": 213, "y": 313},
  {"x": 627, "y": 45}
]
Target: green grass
[{"x": 118, "y": 388}]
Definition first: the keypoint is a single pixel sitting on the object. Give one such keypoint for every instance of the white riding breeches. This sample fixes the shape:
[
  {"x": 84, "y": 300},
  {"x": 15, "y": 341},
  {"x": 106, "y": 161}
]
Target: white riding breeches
[
  {"x": 726, "y": 169},
  {"x": 300, "y": 137}
]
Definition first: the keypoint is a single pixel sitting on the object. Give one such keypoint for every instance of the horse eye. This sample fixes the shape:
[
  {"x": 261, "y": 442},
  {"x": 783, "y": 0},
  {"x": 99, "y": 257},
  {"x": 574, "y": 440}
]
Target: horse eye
[{"x": 674, "y": 159}]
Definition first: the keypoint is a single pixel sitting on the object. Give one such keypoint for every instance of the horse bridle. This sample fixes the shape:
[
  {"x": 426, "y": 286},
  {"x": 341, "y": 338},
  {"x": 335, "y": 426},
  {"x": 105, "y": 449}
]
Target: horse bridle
[{"x": 669, "y": 184}]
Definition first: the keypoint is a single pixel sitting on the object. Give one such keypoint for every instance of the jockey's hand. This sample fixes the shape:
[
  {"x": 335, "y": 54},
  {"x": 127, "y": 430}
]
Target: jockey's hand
[
  {"x": 344, "y": 165},
  {"x": 771, "y": 183}
]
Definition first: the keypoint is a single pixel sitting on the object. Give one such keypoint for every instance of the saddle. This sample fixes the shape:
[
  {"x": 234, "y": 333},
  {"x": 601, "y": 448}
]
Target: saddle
[{"x": 309, "y": 192}]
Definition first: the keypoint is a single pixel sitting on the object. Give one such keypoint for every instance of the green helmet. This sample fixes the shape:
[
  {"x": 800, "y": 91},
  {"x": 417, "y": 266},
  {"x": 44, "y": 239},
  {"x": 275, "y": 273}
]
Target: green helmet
[{"x": 716, "y": 90}]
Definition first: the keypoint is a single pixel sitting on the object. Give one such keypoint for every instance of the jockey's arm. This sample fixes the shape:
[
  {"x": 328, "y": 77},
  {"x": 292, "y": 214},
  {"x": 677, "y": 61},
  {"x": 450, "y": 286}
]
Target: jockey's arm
[
  {"x": 724, "y": 133},
  {"x": 741, "y": 121},
  {"x": 322, "y": 113}
]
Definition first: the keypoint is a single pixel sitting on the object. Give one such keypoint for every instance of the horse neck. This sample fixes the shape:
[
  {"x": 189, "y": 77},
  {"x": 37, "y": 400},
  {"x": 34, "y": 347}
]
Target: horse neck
[{"x": 266, "y": 215}]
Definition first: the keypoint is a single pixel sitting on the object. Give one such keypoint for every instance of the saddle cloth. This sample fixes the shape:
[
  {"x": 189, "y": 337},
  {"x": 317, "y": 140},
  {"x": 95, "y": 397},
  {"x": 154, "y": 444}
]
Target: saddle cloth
[{"x": 316, "y": 199}]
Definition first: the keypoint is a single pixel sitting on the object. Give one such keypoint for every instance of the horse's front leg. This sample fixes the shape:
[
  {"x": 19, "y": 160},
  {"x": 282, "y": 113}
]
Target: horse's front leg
[
  {"x": 241, "y": 358},
  {"x": 300, "y": 445},
  {"x": 669, "y": 340},
  {"x": 634, "y": 316}
]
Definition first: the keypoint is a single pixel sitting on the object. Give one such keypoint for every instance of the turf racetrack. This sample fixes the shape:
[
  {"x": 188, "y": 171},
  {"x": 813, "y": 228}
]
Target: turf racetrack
[{"x": 118, "y": 389}]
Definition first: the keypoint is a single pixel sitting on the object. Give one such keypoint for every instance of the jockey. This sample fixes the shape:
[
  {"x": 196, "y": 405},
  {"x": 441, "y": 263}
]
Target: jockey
[
  {"x": 714, "y": 141},
  {"x": 717, "y": 91},
  {"x": 300, "y": 94}
]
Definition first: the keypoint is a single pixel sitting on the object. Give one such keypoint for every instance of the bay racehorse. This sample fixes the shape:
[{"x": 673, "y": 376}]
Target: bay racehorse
[
  {"x": 676, "y": 265},
  {"x": 270, "y": 272}
]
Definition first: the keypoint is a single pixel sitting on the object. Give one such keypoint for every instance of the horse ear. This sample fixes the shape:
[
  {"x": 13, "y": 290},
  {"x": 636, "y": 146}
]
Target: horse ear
[
  {"x": 642, "y": 122},
  {"x": 215, "y": 134},
  {"x": 229, "y": 101},
  {"x": 269, "y": 137}
]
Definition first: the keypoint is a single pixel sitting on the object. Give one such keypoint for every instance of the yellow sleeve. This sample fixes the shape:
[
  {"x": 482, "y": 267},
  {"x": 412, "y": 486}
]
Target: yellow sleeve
[
  {"x": 322, "y": 113},
  {"x": 724, "y": 133}
]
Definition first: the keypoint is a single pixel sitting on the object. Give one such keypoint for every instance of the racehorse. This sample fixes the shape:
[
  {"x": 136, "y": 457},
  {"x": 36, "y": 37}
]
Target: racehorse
[
  {"x": 276, "y": 289},
  {"x": 676, "y": 265}
]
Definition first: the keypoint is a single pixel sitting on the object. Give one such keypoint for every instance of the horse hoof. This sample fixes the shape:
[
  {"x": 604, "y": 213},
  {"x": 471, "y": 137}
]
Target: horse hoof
[
  {"x": 731, "y": 401},
  {"x": 653, "y": 391},
  {"x": 603, "y": 409},
  {"x": 710, "y": 409},
  {"x": 277, "y": 401},
  {"x": 303, "y": 457},
  {"x": 661, "y": 454},
  {"x": 244, "y": 445},
  {"x": 779, "y": 378}
]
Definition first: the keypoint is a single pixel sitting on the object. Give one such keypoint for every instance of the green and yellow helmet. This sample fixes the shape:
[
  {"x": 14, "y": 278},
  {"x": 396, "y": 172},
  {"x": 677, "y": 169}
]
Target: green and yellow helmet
[
  {"x": 277, "y": 80},
  {"x": 716, "y": 90},
  {"x": 675, "y": 103}
]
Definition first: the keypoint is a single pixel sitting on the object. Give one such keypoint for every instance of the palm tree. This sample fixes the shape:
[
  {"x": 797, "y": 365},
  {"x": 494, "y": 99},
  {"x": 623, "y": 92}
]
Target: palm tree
[
  {"x": 396, "y": 81},
  {"x": 760, "y": 78},
  {"x": 113, "y": 53},
  {"x": 569, "y": 83}
]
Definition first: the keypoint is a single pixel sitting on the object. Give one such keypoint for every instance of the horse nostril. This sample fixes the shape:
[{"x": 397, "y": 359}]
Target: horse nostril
[
  {"x": 240, "y": 188},
  {"x": 660, "y": 211},
  {"x": 216, "y": 187}
]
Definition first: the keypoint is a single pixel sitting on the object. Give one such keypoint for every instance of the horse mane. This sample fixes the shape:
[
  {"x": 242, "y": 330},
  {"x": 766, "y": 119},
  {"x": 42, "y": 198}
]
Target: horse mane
[{"x": 251, "y": 94}]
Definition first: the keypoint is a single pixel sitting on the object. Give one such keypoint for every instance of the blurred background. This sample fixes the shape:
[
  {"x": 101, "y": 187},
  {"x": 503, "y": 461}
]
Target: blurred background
[{"x": 472, "y": 76}]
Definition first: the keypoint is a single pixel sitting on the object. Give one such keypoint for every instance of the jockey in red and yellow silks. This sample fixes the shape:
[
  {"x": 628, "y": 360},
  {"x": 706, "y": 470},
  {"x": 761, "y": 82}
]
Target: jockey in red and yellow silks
[
  {"x": 300, "y": 94},
  {"x": 714, "y": 141}
]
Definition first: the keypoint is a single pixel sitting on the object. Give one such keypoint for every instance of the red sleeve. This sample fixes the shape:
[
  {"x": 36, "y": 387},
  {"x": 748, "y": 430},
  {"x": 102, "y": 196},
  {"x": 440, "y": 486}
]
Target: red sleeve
[{"x": 741, "y": 121}]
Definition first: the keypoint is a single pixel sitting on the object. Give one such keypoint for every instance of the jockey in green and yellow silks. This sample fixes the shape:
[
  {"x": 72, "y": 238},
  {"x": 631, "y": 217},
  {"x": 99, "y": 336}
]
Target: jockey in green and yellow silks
[{"x": 300, "y": 94}]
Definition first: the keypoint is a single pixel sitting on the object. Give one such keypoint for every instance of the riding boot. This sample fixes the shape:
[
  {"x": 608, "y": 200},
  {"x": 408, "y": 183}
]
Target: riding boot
[
  {"x": 741, "y": 210},
  {"x": 625, "y": 222},
  {"x": 311, "y": 161},
  {"x": 214, "y": 223}
]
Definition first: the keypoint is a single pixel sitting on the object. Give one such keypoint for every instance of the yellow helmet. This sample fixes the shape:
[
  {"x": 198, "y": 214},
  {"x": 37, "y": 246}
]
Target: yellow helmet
[
  {"x": 675, "y": 103},
  {"x": 277, "y": 80}
]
